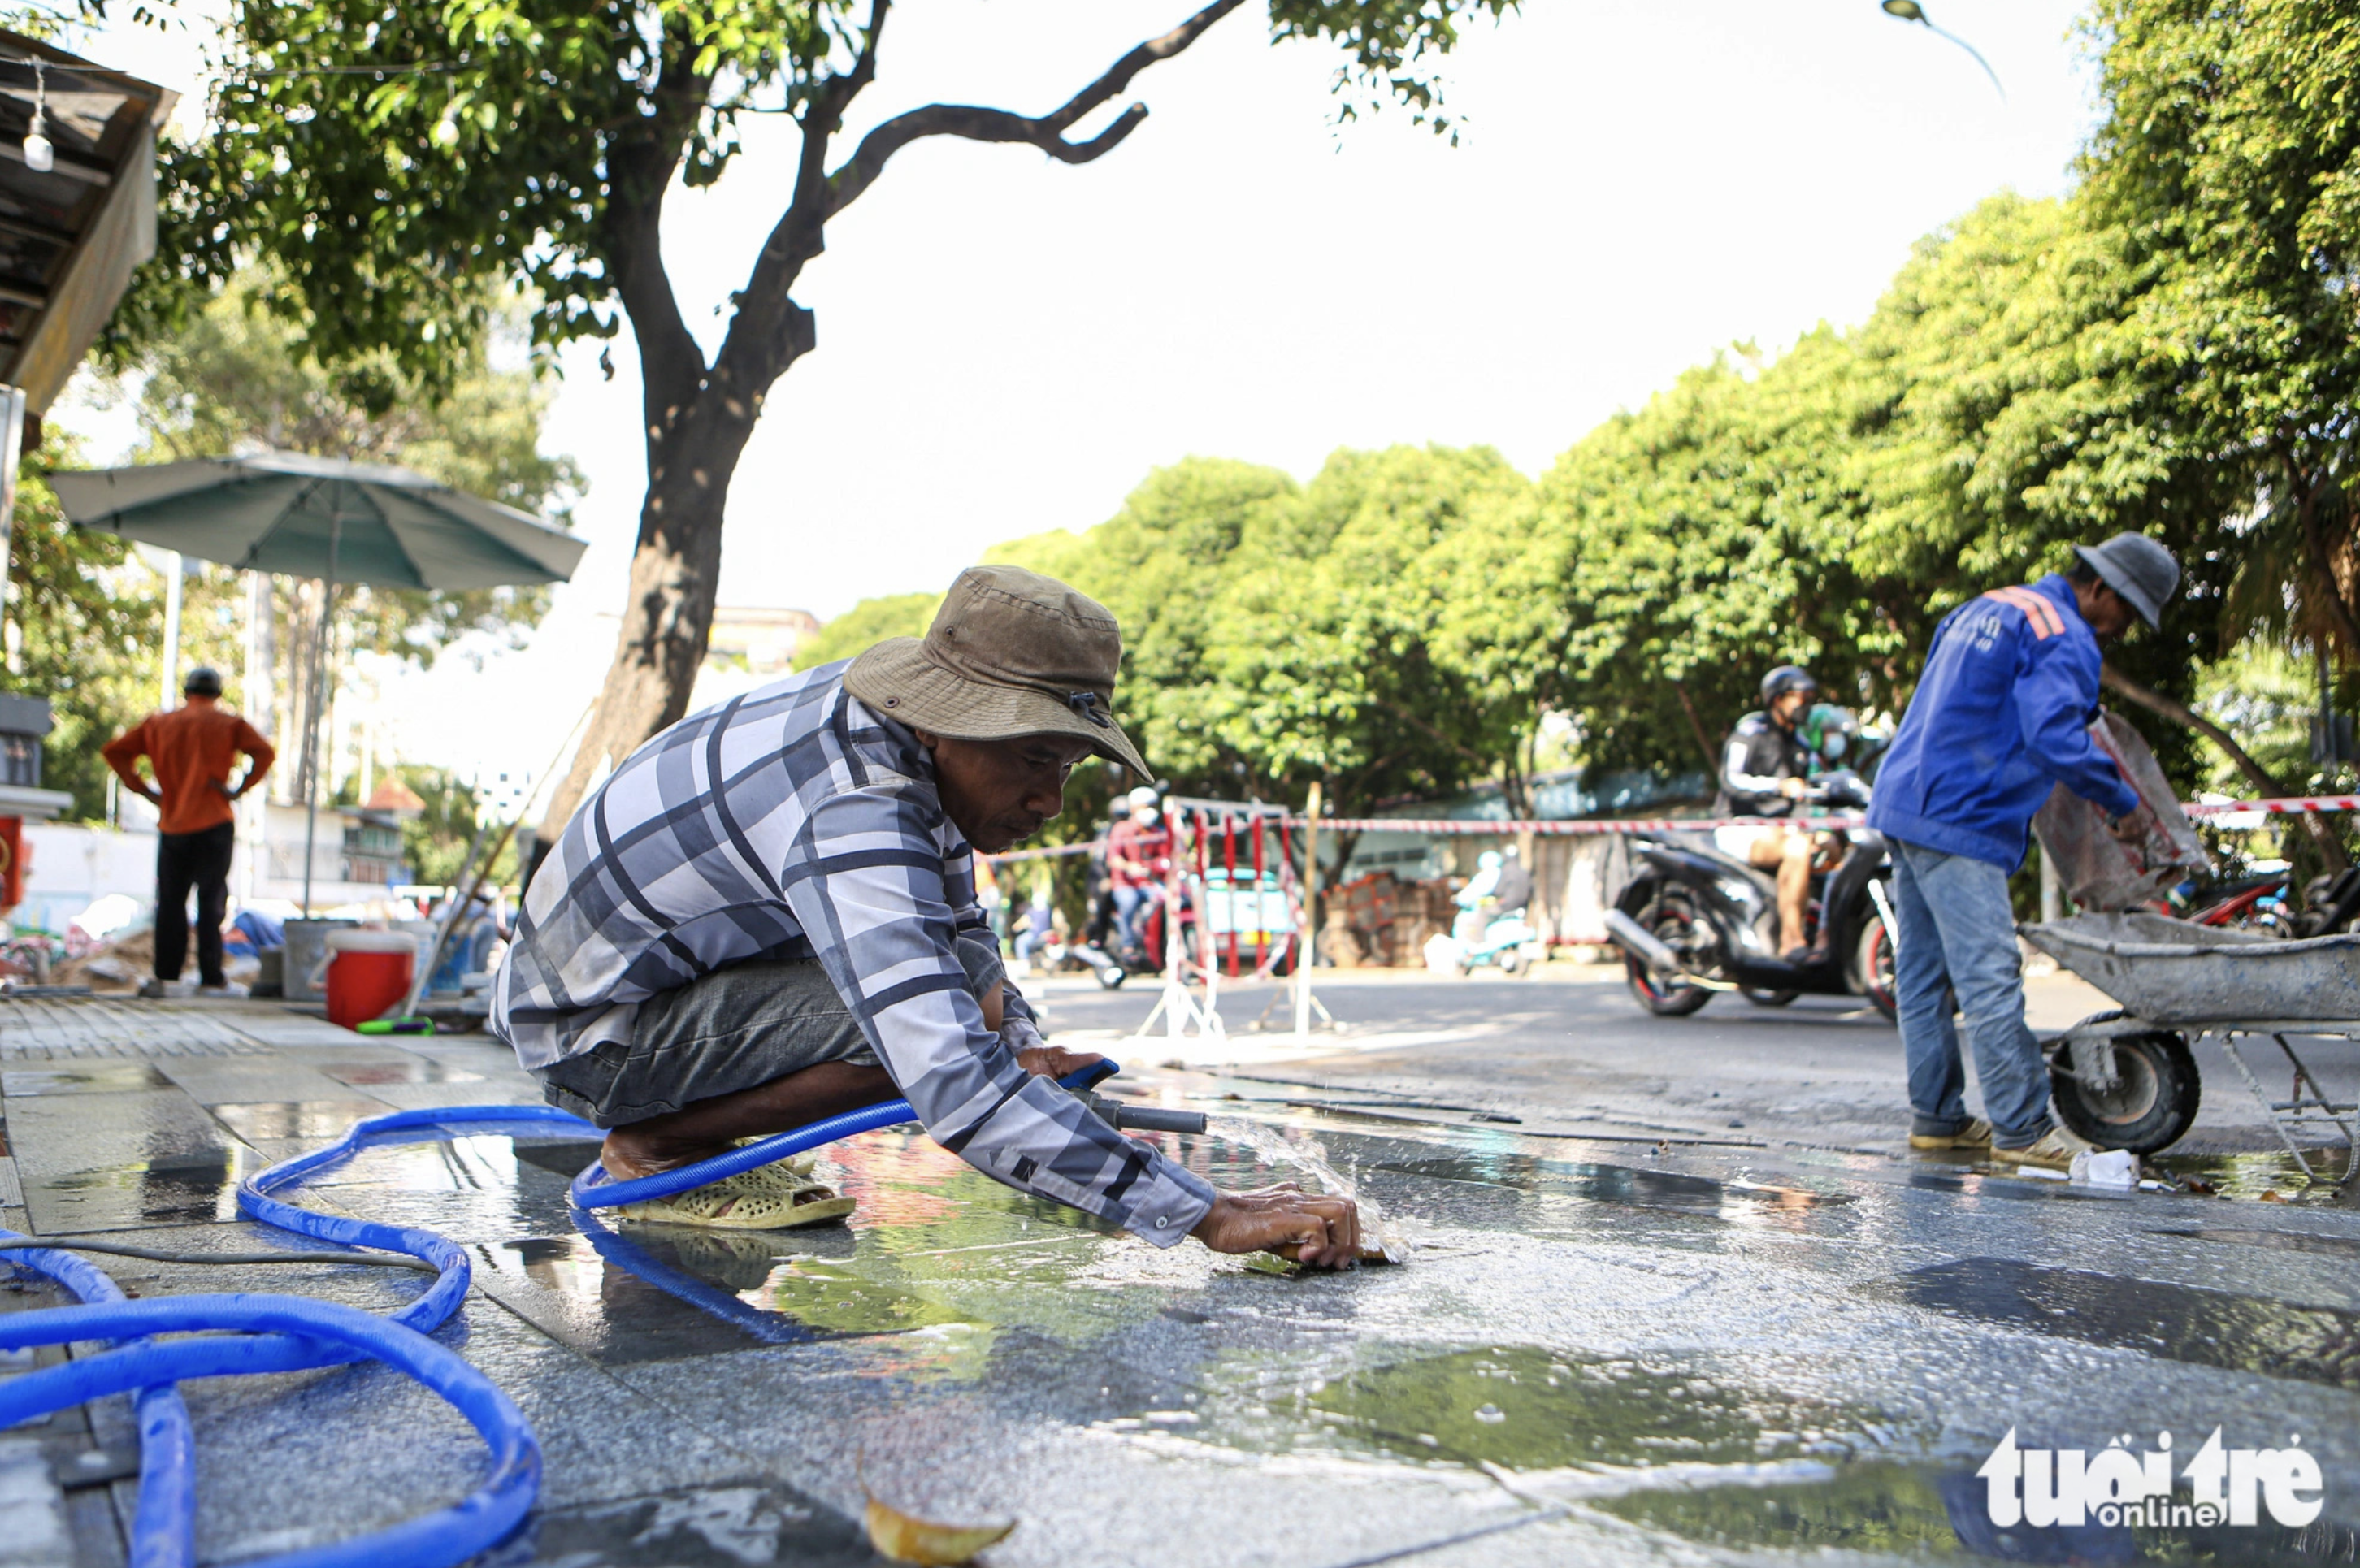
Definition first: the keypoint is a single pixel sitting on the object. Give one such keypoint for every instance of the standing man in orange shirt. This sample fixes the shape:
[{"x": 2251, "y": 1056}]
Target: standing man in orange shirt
[{"x": 191, "y": 751}]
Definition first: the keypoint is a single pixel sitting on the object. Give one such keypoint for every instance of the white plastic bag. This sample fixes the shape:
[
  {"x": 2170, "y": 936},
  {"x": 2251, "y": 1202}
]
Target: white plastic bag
[
  {"x": 2099, "y": 871},
  {"x": 2108, "y": 1167}
]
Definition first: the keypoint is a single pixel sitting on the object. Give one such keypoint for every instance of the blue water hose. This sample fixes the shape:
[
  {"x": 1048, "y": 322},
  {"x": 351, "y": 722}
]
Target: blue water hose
[
  {"x": 451, "y": 1535},
  {"x": 278, "y": 1336},
  {"x": 594, "y": 1189},
  {"x": 167, "y": 1514},
  {"x": 283, "y": 1333}
]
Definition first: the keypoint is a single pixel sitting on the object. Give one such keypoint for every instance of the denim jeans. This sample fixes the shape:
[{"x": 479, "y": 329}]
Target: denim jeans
[
  {"x": 735, "y": 1028},
  {"x": 1128, "y": 903},
  {"x": 1957, "y": 932}
]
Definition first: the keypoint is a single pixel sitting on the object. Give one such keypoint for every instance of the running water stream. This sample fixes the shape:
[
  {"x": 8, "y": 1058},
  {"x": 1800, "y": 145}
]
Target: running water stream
[{"x": 1379, "y": 1235}]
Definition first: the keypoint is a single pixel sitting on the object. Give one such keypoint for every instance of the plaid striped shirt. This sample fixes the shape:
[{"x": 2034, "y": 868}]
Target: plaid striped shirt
[{"x": 792, "y": 823}]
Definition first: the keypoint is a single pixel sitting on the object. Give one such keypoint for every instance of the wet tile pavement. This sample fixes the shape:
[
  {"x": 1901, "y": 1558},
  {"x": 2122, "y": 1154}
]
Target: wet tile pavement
[{"x": 1600, "y": 1353}]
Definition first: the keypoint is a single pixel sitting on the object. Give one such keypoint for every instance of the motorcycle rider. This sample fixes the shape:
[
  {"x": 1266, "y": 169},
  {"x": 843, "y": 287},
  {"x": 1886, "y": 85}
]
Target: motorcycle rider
[
  {"x": 1473, "y": 900},
  {"x": 1134, "y": 849},
  {"x": 1764, "y": 770},
  {"x": 2000, "y": 718}
]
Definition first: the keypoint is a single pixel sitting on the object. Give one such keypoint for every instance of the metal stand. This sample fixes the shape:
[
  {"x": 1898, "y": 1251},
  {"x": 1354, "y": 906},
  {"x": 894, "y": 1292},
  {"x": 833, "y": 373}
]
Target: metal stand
[
  {"x": 2309, "y": 1104},
  {"x": 312, "y": 718},
  {"x": 1176, "y": 1007}
]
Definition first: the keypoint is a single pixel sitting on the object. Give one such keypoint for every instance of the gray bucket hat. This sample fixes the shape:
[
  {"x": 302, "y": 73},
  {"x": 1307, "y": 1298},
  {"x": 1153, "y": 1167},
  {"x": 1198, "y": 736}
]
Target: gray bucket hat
[
  {"x": 2141, "y": 571},
  {"x": 1010, "y": 653}
]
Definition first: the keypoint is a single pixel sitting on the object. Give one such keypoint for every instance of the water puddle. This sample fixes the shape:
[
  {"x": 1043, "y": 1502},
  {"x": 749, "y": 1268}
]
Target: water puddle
[
  {"x": 1527, "y": 1410},
  {"x": 408, "y": 1069},
  {"x": 173, "y": 1189},
  {"x": 2276, "y": 1240},
  {"x": 2174, "y": 1322},
  {"x": 713, "y": 1527},
  {"x": 1522, "y": 1408},
  {"x": 2275, "y": 1177},
  {"x": 82, "y": 1078},
  {"x": 1618, "y": 1184}
]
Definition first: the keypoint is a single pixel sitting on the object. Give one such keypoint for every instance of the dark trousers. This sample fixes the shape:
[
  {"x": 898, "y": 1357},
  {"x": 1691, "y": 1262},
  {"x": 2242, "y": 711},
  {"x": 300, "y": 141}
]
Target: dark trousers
[{"x": 199, "y": 860}]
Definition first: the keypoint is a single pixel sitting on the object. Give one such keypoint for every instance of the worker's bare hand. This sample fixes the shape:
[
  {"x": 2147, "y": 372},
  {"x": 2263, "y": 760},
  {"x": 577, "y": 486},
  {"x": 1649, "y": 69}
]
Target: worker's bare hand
[
  {"x": 1322, "y": 1232},
  {"x": 1049, "y": 1062},
  {"x": 1792, "y": 787}
]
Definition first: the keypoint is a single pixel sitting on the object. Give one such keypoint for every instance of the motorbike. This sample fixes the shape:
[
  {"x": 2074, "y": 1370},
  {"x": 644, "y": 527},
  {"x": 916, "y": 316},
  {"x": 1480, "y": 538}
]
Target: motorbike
[
  {"x": 1112, "y": 964},
  {"x": 1694, "y": 922},
  {"x": 1502, "y": 945},
  {"x": 2331, "y": 903}
]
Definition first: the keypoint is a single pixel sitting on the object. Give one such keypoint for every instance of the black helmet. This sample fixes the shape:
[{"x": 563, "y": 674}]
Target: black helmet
[
  {"x": 203, "y": 682},
  {"x": 1785, "y": 679}
]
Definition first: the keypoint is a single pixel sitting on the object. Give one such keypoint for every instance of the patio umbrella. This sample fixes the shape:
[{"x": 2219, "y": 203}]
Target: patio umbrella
[{"x": 341, "y": 522}]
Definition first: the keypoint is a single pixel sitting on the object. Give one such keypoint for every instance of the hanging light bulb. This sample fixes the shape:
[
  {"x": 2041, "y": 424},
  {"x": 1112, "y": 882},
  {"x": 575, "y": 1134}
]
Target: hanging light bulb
[{"x": 39, "y": 156}]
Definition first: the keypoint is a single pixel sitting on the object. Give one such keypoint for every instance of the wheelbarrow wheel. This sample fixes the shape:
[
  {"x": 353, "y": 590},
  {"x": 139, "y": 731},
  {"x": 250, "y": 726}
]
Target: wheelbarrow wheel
[{"x": 2152, "y": 1104}]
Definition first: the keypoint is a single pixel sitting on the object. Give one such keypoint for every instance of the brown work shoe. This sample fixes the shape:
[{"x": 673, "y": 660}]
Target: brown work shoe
[
  {"x": 2054, "y": 1151},
  {"x": 1976, "y": 1134}
]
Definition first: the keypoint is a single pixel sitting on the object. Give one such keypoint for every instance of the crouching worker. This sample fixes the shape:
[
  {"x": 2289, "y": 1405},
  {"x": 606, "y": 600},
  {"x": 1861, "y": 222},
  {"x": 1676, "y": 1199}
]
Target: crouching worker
[{"x": 766, "y": 916}]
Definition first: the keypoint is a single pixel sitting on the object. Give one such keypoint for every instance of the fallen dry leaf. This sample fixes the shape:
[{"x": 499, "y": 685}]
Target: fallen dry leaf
[{"x": 903, "y": 1539}]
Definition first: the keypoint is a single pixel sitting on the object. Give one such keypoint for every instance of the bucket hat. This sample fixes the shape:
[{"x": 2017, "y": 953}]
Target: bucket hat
[
  {"x": 1010, "y": 653},
  {"x": 2141, "y": 571}
]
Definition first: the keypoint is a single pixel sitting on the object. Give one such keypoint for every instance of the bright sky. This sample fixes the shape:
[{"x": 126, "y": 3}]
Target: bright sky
[{"x": 1007, "y": 344}]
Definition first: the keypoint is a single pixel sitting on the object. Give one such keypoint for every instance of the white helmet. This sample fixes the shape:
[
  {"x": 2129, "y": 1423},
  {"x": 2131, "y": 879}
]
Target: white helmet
[{"x": 1142, "y": 796}]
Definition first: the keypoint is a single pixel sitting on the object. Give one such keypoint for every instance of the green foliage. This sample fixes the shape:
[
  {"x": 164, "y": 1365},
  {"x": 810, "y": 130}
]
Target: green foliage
[
  {"x": 392, "y": 161},
  {"x": 79, "y": 634},
  {"x": 870, "y": 622},
  {"x": 2228, "y": 169},
  {"x": 436, "y": 841}
]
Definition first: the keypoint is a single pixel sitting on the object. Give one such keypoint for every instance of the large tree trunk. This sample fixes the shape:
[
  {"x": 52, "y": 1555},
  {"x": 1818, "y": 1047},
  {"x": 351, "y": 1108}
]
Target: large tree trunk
[
  {"x": 697, "y": 418},
  {"x": 2331, "y": 849},
  {"x": 675, "y": 572}
]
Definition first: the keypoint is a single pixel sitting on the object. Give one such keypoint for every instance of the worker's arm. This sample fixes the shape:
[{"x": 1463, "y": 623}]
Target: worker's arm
[
  {"x": 868, "y": 889},
  {"x": 123, "y": 753},
  {"x": 259, "y": 755},
  {"x": 2052, "y": 711}
]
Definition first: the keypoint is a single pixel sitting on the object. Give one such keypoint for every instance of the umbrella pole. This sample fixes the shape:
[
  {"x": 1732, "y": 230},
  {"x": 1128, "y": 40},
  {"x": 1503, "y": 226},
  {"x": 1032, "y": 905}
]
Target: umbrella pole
[{"x": 311, "y": 713}]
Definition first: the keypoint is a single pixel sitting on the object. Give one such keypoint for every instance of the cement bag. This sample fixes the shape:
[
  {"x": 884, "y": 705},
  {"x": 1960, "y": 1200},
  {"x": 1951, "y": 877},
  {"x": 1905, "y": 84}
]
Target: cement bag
[{"x": 2099, "y": 872}]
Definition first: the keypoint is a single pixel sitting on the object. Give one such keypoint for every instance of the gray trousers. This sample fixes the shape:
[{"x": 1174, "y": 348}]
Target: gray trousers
[{"x": 733, "y": 1029}]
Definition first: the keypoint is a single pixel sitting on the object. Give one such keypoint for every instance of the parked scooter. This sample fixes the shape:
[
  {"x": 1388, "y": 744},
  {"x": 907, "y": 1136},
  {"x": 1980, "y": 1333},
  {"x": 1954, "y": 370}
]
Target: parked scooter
[
  {"x": 1502, "y": 946},
  {"x": 1694, "y": 922}
]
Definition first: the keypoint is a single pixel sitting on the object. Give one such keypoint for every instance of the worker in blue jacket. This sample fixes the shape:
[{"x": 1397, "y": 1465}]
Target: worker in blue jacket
[{"x": 2000, "y": 718}]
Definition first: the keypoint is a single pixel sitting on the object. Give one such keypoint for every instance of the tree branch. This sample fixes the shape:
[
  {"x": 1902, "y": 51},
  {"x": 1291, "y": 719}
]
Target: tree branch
[
  {"x": 769, "y": 331},
  {"x": 643, "y": 164},
  {"x": 2255, "y": 774},
  {"x": 1047, "y": 132}
]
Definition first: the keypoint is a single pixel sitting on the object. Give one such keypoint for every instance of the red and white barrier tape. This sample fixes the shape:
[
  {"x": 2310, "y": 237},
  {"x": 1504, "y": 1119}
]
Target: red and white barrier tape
[
  {"x": 2298, "y": 805},
  {"x": 2294, "y": 805},
  {"x": 1592, "y": 826}
]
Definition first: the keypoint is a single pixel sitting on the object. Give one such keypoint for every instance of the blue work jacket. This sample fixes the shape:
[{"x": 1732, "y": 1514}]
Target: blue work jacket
[{"x": 2000, "y": 718}]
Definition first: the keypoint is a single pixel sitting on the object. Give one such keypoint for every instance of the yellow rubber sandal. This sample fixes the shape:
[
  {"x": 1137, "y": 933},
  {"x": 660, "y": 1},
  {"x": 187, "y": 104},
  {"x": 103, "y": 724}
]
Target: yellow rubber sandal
[{"x": 772, "y": 1197}]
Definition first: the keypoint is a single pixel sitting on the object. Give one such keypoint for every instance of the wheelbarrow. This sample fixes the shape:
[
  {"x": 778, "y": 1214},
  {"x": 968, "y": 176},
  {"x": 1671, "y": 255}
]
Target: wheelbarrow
[{"x": 2127, "y": 1078}]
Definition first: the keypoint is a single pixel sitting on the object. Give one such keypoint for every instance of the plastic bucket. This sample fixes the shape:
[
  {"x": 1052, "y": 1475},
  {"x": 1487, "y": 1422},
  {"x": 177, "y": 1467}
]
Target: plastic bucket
[
  {"x": 307, "y": 952},
  {"x": 367, "y": 973}
]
